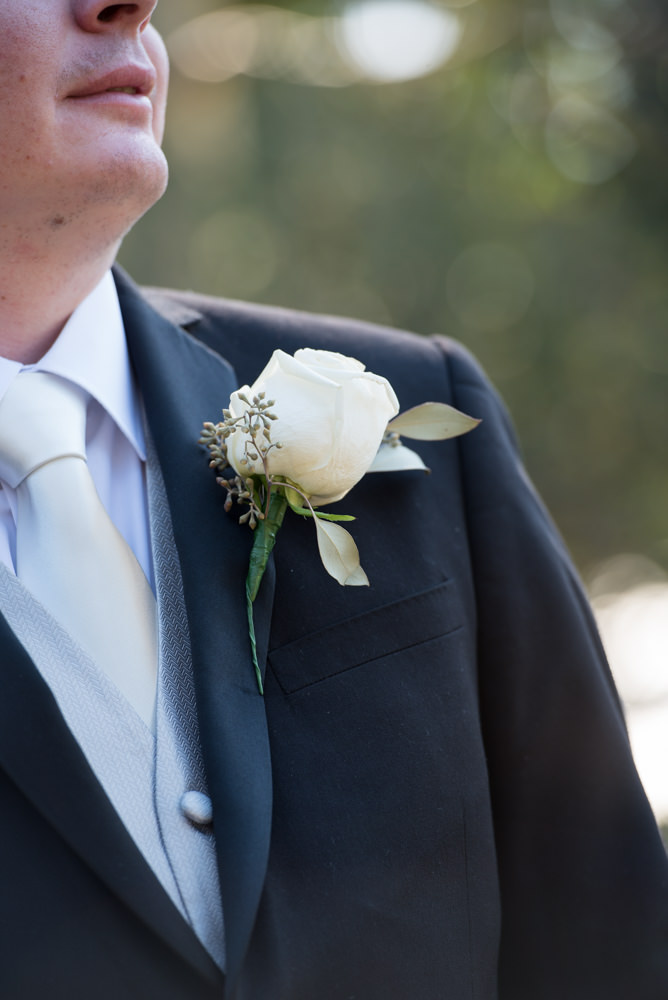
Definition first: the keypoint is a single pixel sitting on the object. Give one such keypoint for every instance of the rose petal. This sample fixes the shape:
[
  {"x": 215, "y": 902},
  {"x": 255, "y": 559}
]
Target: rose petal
[
  {"x": 395, "y": 458},
  {"x": 339, "y": 554},
  {"x": 280, "y": 361},
  {"x": 327, "y": 360},
  {"x": 432, "y": 422},
  {"x": 330, "y": 418}
]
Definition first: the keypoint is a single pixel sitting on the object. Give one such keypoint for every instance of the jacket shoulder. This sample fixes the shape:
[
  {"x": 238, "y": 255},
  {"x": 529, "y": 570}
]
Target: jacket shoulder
[{"x": 246, "y": 334}]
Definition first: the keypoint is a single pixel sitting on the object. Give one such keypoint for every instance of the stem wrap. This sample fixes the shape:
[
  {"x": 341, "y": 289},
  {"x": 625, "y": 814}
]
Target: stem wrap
[{"x": 264, "y": 539}]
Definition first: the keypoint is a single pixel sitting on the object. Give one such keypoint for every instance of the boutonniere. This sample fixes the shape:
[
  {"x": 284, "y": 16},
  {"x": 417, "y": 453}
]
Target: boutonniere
[{"x": 301, "y": 437}]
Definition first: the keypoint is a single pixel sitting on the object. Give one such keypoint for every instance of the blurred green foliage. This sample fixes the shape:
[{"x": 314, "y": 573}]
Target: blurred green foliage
[{"x": 515, "y": 199}]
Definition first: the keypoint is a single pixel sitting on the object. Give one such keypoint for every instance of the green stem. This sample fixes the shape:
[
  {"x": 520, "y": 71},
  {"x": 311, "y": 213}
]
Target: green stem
[
  {"x": 251, "y": 636},
  {"x": 264, "y": 539}
]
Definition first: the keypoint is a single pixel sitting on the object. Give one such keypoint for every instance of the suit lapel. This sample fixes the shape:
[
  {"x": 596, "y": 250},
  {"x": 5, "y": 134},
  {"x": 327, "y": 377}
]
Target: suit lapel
[
  {"x": 42, "y": 757},
  {"x": 183, "y": 383}
]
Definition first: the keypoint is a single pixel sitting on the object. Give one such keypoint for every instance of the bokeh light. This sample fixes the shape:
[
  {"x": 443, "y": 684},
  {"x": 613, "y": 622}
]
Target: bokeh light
[
  {"x": 263, "y": 41},
  {"x": 235, "y": 248},
  {"x": 395, "y": 40},
  {"x": 630, "y": 599},
  {"x": 586, "y": 143},
  {"x": 490, "y": 287}
]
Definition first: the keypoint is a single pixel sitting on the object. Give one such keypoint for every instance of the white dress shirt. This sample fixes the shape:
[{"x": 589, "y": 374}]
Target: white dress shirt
[{"x": 92, "y": 352}]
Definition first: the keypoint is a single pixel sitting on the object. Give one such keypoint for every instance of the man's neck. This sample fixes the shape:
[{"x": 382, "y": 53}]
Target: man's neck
[{"x": 38, "y": 294}]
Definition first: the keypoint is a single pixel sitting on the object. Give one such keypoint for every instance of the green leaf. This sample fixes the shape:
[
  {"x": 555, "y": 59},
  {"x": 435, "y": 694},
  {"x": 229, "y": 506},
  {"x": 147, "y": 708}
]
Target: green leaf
[
  {"x": 264, "y": 539},
  {"x": 324, "y": 516},
  {"x": 293, "y": 498},
  {"x": 432, "y": 422},
  {"x": 304, "y": 511}
]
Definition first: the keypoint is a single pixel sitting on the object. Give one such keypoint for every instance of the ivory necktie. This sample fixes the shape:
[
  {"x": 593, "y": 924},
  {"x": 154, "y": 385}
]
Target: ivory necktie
[{"x": 69, "y": 554}]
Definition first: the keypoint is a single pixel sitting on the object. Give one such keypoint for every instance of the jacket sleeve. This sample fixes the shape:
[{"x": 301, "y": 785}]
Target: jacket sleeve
[{"x": 583, "y": 872}]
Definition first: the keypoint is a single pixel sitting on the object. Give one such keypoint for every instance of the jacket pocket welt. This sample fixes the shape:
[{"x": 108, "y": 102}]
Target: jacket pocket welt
[{"x": 370, "y": 636}]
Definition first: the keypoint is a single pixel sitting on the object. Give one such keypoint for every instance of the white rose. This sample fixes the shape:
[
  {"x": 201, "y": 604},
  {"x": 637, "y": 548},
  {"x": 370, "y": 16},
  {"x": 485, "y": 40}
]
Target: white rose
[{"x": 331, "y": 418}]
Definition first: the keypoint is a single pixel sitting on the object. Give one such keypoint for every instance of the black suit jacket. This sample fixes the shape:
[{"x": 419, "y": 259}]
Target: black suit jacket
[{"x": 435, "y": 798}]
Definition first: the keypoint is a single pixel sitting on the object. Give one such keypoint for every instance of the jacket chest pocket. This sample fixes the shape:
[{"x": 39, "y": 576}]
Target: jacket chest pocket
[{"x": 386, "y": 631}]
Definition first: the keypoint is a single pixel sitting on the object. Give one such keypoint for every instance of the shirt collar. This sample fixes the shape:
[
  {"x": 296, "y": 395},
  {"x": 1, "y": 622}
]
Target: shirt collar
[{"x": 92, "y": 352}]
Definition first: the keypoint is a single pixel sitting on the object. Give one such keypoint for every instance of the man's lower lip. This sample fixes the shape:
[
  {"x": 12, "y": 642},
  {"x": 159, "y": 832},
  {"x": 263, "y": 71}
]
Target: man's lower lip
[{"x": 114, "y": 97}]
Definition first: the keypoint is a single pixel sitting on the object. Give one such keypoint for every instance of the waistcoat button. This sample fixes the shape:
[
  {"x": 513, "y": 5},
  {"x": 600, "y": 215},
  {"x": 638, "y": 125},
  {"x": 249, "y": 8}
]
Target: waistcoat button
[{"x": 196, "y": 807}]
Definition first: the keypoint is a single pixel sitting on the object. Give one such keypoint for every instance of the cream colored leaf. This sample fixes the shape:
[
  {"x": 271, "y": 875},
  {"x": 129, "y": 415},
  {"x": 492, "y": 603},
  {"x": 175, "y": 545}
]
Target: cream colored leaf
[
  {"x": 358, "y": 578},
  {"x": 432, "y": 422},
  {"x": 339, "y": 554},
  {"x": 395, "y": 458}
]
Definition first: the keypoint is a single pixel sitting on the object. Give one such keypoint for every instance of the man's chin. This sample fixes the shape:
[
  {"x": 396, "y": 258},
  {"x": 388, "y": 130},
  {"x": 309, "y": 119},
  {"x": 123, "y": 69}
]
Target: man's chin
[{"x": 132, "y": 178}]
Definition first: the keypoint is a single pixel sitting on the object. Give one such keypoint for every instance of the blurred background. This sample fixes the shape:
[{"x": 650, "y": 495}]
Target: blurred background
[{"x": 496, "y": 171}]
